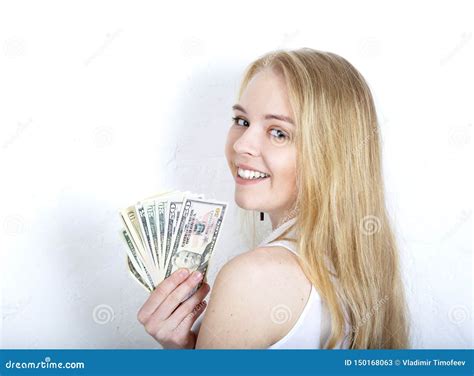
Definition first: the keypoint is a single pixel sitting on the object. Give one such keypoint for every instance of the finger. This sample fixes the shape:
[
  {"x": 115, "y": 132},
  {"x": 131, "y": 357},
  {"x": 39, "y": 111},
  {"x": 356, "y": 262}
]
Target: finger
[
  {"x": 160, "y": 293},
  {"x": 187, "y": 306},
  {"x": 177, "y": 296},
  {"x": 169, "y": 323},
  {"x": 188, "y": 321}
]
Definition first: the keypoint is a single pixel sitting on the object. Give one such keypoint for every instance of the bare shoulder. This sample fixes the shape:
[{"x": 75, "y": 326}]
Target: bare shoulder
[{"x": 248, "y": 296}]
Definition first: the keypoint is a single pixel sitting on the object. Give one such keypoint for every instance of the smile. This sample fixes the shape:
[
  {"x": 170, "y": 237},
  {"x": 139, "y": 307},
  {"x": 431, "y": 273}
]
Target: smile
[
  {"x": 244, "y": 178},
  {"x": 250, "y": 174}
]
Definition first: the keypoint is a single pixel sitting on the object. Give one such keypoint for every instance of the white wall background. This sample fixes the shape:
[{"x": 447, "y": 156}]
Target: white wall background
[{"x": 103, "y": 103}]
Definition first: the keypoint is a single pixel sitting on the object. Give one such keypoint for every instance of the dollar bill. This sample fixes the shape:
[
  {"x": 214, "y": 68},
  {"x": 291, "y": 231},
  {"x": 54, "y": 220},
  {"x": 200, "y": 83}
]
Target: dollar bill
[
  {"x": 197, "y": 235},
  {"x": 150, "y": 211},
  {"x": 145, "y": 231},
  {"x": 168, "y": 231},
  {"x": 161, "y": 228},
  {"x": 173, "y": 215},
  {"x": 137, "y": 263},
  {"x": 133, "y": 271},
  {"x": 129, "y": 218}
]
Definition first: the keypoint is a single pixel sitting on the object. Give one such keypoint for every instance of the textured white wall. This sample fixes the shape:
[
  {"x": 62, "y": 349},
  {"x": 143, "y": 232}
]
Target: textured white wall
[{"x": 105, "y": 103}]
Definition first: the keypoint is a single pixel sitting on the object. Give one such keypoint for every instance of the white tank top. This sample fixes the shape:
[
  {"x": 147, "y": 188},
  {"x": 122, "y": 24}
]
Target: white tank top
[{"x": 313, "y": 327}]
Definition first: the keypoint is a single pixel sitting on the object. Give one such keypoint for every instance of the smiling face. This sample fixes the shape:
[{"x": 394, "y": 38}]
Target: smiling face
[{"x": 261, "y": 140}]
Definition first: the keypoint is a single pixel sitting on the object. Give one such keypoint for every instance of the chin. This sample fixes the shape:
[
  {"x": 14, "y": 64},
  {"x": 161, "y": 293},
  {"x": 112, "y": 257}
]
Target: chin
[{"x": 244, "y": 202}]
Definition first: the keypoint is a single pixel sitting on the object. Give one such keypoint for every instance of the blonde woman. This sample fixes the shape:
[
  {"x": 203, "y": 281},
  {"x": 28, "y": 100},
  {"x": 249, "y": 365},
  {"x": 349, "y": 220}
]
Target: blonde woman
[{"x": 304, "y": 149}]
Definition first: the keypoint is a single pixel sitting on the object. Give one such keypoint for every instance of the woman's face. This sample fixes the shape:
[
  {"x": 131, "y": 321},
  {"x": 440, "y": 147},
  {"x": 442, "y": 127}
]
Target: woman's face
[{"x": 261, "y": 139}]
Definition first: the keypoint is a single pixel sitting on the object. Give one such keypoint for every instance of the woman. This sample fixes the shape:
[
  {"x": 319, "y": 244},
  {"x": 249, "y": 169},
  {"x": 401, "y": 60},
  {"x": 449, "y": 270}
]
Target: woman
[{"x": 303, "y": 148}]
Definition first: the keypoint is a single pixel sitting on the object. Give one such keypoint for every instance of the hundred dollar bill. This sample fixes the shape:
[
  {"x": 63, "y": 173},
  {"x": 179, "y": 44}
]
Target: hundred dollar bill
[{"x": 196, "y": 236}]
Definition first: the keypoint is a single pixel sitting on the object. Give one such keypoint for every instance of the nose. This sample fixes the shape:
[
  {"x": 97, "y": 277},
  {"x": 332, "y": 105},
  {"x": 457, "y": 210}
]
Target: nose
[{"x": 249, "y": 142}]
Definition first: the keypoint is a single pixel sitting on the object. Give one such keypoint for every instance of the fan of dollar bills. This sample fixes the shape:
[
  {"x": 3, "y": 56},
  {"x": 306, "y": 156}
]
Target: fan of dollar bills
[{"x": 169, "y": 231}]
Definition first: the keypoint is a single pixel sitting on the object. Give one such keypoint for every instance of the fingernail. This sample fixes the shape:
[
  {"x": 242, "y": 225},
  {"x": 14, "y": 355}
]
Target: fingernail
[
  {"x": 183, "y": 273},
  {"x": 197, "y": 276}
]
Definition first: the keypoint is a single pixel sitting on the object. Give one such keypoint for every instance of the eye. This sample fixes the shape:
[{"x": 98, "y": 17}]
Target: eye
[
  {"x": 236, "y": 120},
  {"x": 279, "y": 135}
]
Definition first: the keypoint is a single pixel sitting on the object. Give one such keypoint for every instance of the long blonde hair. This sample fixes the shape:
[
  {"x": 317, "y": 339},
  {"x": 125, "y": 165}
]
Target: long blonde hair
[{"x": 342, "y": 225}]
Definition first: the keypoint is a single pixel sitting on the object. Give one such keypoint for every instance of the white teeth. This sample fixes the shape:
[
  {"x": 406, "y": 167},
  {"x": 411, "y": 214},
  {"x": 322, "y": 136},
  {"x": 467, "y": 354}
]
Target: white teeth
[{"x": 249, "y": 174}]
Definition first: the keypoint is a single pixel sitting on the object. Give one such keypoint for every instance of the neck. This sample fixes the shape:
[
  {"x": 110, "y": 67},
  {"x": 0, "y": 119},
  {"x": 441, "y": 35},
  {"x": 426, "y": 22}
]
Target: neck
[{"x": 277, "y": 218}]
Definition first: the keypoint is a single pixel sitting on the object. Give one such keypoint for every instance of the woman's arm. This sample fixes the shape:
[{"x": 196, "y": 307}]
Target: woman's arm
[{"x": 247, "y": 288}]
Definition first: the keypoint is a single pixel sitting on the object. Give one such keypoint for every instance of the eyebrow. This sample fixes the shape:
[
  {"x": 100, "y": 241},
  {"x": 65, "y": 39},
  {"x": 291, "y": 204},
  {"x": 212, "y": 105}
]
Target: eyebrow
[{"x": 266, "y": 117}]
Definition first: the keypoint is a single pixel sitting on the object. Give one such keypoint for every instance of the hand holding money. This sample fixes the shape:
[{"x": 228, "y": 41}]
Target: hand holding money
[
  {"x": 170, "y": 240},
  {"x": 168, "y": 321}
]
